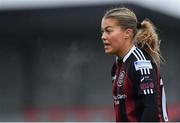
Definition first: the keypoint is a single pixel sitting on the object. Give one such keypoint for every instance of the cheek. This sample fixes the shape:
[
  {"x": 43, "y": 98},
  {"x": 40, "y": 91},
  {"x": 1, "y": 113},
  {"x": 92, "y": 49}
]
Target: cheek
[{"x": 116, "y": 41}]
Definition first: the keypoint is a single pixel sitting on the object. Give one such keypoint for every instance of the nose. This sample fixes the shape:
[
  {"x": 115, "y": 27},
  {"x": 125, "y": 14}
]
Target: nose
[{"x": 103, "y": 37}]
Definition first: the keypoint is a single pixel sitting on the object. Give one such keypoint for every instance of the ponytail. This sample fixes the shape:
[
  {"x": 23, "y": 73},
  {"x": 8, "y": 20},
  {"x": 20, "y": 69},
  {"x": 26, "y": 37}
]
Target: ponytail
[{"x": 147, "y": 39}]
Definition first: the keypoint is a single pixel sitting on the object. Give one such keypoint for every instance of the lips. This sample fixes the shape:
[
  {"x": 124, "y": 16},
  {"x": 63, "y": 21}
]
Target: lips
[{"x": 106, "y": 45}]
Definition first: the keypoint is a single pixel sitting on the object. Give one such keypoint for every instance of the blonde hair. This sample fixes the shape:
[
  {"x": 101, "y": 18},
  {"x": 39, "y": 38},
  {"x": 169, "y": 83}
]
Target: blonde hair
[{"x": 145, "y": 35}]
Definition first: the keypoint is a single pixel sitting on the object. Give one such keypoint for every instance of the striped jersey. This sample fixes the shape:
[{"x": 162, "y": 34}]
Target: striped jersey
[{"x": 138, "y": 90}]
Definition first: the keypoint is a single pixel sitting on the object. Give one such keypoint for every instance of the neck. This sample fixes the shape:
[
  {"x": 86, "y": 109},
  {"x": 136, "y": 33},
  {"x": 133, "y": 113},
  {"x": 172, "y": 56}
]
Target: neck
[{"x": 124, "y": 51}]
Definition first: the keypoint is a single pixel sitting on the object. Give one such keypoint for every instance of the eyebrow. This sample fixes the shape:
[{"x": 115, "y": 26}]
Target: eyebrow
[{"x": 106, "y": 27}]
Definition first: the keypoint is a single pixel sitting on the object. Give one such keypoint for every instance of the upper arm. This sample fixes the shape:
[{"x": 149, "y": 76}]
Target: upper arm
[{"x": 144, "y": 77}]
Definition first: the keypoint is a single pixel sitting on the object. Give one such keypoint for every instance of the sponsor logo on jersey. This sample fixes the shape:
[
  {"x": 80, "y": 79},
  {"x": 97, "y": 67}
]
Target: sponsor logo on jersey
[
  {"x": 149, "y": 85},
  {"x": 142, "y": 79},
  {"x": 145, "y": 78},
  {"x": 142, "y": 64},
  {"x": 120, "y": 96}
]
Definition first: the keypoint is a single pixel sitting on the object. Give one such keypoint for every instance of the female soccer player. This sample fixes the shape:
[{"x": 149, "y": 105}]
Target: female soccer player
[{"x": 138, "y": 90}]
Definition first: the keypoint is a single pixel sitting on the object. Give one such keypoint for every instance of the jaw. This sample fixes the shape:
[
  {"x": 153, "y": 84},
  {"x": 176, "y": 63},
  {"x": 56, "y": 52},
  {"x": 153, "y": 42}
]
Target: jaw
[{"x": 109, "y": 51}]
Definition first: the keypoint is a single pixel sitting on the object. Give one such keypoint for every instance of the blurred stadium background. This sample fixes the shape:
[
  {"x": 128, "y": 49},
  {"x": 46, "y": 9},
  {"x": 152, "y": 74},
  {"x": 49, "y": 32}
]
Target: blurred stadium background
[{"x": 52, "y": 62}]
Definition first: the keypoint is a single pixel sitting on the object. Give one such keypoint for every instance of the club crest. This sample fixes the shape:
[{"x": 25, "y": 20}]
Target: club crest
[{"x": 121, "y": 79}]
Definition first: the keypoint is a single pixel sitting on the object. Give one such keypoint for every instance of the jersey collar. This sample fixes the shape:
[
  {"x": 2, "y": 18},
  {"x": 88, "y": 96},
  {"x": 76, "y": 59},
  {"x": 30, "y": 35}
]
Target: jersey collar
[{"x": 127, "y": 55}]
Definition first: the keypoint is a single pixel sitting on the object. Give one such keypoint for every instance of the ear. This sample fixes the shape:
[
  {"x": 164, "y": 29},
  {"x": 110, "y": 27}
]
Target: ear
[{"x": 128, "y": 33}]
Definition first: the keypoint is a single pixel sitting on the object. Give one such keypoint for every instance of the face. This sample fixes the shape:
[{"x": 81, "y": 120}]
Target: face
[{"x": 113, "y": 36}]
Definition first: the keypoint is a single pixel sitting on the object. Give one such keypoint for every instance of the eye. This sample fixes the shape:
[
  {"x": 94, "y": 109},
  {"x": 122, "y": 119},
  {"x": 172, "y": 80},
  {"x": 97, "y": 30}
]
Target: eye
[
  {"x": 108, "y": 31},
  {"x": 102, "y": 31}
]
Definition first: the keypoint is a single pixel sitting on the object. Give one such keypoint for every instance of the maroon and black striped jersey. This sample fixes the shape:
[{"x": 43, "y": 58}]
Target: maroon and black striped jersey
[{"x": 138, "y": 90}]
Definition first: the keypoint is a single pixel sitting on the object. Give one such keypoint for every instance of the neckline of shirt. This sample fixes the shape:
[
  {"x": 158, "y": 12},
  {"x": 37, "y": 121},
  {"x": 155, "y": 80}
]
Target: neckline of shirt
[{"x": 127, "y": 55}]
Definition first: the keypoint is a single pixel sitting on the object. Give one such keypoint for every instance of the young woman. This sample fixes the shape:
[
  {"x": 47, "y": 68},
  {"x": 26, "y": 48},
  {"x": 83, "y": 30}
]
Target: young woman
[{"x": 138, "y": 90}]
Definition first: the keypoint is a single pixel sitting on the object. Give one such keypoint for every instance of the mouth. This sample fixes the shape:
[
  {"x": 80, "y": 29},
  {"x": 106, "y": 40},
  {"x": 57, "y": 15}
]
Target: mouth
[{"x": 106, "y": 45}]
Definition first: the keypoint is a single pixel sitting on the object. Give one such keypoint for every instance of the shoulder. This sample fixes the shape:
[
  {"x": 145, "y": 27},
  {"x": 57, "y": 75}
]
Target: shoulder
[
  {"x": 140, "y": 55},
  {"x": 140, "y": 62}
]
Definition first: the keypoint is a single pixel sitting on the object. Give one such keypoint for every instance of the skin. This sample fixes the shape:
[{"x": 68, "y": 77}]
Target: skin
[{"x": 117, "y": 41}]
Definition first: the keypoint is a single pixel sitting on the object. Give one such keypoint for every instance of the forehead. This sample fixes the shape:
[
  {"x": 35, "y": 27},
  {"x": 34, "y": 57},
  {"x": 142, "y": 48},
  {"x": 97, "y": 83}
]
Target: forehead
[{"x": 108, "y": 22}]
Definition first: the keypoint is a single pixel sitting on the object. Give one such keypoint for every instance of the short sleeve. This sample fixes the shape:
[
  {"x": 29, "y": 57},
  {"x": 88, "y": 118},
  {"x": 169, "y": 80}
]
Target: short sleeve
[{"x": 145, "y": 78}]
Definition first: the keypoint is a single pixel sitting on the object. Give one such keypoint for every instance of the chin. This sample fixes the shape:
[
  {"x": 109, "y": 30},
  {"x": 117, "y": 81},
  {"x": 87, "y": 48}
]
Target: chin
[{"x": 109, "y": 52}]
